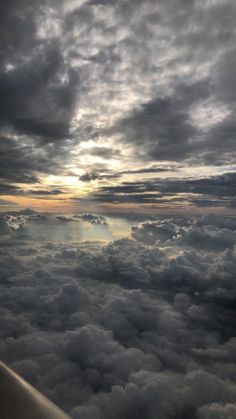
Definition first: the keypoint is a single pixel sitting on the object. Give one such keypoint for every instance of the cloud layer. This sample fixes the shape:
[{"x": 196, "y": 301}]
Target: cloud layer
[{"x": 143, "y": 326}]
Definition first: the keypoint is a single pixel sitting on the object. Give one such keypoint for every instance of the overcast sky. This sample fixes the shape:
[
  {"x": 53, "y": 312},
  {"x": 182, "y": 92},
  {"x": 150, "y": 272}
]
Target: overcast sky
[{"x": 117, "y": 105}]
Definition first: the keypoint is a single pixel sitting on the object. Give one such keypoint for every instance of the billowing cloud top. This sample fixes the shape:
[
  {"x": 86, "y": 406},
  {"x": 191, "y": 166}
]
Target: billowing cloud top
[
  {"x": 139, "y": 327},
  {"x": 98, "y": 98}
]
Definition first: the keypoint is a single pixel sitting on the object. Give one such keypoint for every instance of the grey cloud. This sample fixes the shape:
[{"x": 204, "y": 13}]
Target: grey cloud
[
  {"x": 104, "y": 152},
  {"x": 218, "y": 221},
  {"x": 88, "y": 177},
  {"x": 154, "y": 53},
  {"x": 93, "y": 218},
  {"x": 217, "y": 410},
  {"x": 209, "y": 238},
  {"x": 215, "y": 190},
  {"x": 25, "y": 224},
  {"x": 152, "y": 169},
  {"x": 7, "y": 189},
  {"x": 19, "y": 163},
  {"x": 221, "y": 138},
  {"x": 44, "y": 192},
  {"x": 161, "y": 129},
  {"x": 150, "y": 232},
  {"x": 38, "y": 91},
  {"x": 200, "y": 237},
  {"x": 44, "y": 107},
  {"x": 143, "y": 387},
  {"x": 224, "y": 80},
  {"x": 130, "y": 328},
  {"x": 138, "y": 327}
]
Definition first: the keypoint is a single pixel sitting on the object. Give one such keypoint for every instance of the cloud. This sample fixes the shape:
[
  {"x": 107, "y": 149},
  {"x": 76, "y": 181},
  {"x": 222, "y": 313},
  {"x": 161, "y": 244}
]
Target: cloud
[
  {"x": 38, "y": 92},
  {"x": 151, "y": 232},
  {"x": 103, "y": 152},
  {"x": 19, "y": 163},
  {"x": 43, "y": 192},
  {"x": 93, "y": 218},
  {"x": 216, "y": 410},
  {"x": 134, "y": 327},
  {"x": 106, "y": 323},
  {"x": 105, "y": 174},
  {"x": 136, "y": 82},
  {"x": 35, "y": 100},
  {"x": 205, "y": 191},
  {"x": 201, "y": 237},
  {"x": 161, "y": 129},
  {"x": 224, "y": 75},
  {"x": 88, "y": 177},
  {"x": 29, "y": 224}
]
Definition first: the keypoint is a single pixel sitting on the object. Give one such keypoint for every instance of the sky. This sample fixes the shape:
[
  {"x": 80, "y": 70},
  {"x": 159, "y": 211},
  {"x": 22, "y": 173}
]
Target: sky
[{"x": 118, "y": 106}]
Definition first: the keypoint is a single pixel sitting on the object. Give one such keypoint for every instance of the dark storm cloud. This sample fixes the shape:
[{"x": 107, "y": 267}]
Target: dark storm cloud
[
  {"x": 37, "y": 90},
  {"x": 161, "y": 128},
  {"x": 34, "y": 99},
  {"x": 203, "y": 202},
  {"x": 215, "y": 190},
  {"x": 220, "y": 142},
  {"x": 18, "y": 163},
  {"x": 137, "y": 198},
  {"x": 7, "y": 189},
  {"x": 152, "y": 169},
  {"x": 88, "y": 177},
  {"x": 224, "y": 72},
  {"x": 124, "y": 330}
]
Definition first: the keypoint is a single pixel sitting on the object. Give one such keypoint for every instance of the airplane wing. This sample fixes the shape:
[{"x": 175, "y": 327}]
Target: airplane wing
[{"x": 20, "y": 400}]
